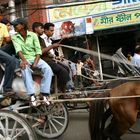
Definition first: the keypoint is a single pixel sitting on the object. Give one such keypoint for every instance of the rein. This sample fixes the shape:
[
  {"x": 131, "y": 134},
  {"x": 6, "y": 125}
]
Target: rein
[
  {"x": 93, "y": 99},
  {"x": 94, "y": 53}
]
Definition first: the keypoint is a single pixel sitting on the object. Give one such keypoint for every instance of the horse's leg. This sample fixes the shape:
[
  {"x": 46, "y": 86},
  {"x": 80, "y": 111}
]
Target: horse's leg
[
  {"x": 125, "y": 115},
  {"x": 106, "y": 115},
  {"x": 111, "y": 132}
]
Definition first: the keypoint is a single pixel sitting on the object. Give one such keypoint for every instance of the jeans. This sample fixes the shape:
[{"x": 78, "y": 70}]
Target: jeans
[
  {"x": 45, "y": 81},
  {"x": 9, "y": 69}
]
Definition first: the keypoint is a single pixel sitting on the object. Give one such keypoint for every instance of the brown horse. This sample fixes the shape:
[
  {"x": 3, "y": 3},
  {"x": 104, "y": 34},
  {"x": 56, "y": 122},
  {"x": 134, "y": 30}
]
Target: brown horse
[{"x": 124, "y": 112}]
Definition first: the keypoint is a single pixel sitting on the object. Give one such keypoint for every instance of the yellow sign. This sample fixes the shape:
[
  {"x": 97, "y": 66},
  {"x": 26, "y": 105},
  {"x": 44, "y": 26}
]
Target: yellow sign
[
  {"x": 90, "y": 9},
  {"x": 65, "y": 13},
  {"x": 116, "y": 20}
]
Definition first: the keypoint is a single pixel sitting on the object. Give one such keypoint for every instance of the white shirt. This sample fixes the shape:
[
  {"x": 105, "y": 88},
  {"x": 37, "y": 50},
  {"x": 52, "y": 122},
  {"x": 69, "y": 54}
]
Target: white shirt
[
  {"x": 136, "y": 60},
  {"x": 79, "y": 66},
  {"x": 48, "y": 42},
  {"x": 12, "y": 31},
  {"x": 73, "y": 68}
]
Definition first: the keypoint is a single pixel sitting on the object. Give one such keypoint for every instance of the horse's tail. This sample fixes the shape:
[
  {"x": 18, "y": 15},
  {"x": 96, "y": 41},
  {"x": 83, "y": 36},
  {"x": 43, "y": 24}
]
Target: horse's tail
[{"x": 97, "y": 109}]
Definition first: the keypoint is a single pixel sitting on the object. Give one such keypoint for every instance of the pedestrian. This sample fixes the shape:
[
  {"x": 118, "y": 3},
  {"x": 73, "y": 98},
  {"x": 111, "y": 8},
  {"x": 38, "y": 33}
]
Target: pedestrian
[
  {"x": 78, "y": 79},
  {"x": 28, "y": 48},
  {"x": 136, "y": 58}
]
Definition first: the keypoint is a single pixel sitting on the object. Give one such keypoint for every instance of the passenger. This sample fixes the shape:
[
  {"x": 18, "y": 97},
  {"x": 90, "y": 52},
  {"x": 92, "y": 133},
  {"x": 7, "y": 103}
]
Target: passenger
[
  {"x": 7, "y": 59},
  {"x": 87, "y": 70},
  {"x": 28, "y": 48},
  {"x": 7, "y": 23},
  {"x": 8, "y": 47},
  {"x": 48, "y": 54},
  {"x": 48, "y": 33}
]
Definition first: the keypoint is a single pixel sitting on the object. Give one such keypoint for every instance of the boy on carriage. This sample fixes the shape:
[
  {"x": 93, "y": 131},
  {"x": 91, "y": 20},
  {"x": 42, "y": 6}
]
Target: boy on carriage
[
  {"x": 48, "y": 54},
  {"x": 28, "y": 48}
]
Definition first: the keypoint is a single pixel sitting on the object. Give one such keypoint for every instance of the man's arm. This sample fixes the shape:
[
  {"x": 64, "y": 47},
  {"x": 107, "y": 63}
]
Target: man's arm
[
  {"x": 36, "y": 61},
  {"x": 53, "y": 46},
  {"x": 24, "y": 62},
  {"x": 6, "y": 37},
  {"x": 37, "y": 51}
]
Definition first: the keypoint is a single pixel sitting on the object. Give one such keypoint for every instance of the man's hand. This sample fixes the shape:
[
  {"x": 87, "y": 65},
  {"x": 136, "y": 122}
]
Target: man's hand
[
  {"x": 55, "y": 45},
  {"x": 34, "y": 66},
  {"x": 51, "y": 55},
  {"x": 24, "y": 64}
]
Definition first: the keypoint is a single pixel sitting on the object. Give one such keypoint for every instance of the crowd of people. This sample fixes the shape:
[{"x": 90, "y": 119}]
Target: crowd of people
[
  {"x": 29, "y": 51},
  {"x": 34, "y": 49}
]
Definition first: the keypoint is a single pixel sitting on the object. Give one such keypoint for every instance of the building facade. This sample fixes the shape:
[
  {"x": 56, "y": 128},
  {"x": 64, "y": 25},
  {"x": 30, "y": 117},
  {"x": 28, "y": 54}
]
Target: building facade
[{"x": 115, "y": 24}]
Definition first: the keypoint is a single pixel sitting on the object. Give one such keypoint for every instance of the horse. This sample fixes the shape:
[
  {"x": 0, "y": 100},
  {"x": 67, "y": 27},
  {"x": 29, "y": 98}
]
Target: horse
[{"x": 124, "y": 111}]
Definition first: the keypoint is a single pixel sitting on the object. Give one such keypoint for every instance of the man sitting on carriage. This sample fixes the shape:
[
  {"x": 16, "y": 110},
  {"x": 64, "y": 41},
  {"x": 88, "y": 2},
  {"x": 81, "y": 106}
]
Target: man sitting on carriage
[
  {"x": 28, "y": 48},
  {"x": 48, "y": 53}
]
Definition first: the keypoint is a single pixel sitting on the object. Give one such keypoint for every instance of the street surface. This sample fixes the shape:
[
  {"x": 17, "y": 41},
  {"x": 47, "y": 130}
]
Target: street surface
[{"x": 78, "y": 128}]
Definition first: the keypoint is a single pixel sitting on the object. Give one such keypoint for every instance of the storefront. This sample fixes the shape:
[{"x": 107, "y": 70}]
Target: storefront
[
  {"x": 113, "y": 25},
  {"x": 120, "y": 30}
]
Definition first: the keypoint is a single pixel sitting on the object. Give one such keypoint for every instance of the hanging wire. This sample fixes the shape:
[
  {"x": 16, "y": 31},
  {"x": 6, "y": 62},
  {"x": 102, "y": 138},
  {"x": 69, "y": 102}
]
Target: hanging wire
[{"x": 37, "y": 6}]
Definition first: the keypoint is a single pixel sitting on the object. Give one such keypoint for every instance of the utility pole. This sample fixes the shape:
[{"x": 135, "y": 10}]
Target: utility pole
[{"x": 11, "y": 5}]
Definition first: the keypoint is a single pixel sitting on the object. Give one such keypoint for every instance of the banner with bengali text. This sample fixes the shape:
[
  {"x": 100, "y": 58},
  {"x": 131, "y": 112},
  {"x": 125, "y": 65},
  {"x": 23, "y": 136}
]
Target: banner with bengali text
[
  {"x": 116, "y": 20},
  {"x": 56, "y": 14}
]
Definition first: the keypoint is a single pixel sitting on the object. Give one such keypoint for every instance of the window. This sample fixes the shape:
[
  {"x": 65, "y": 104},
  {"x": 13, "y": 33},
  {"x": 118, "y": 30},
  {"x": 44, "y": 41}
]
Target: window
[{"x": 21, "y": 6}]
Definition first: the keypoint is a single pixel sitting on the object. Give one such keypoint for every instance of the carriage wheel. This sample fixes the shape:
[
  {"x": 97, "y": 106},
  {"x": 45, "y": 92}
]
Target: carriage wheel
[
  {"x": 55, "y": 118},
  {"x": 15, "y": 127}
]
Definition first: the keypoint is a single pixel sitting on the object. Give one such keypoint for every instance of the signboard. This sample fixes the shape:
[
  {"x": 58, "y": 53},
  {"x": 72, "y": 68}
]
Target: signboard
[
  {"x": 91, "y": 9},
  {"x": 116, "y": 20},
  {"x": 75, "y": 27}
]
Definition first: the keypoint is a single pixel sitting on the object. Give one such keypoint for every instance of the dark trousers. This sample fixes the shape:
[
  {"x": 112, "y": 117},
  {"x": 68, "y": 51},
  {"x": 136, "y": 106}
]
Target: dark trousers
[
  {"x": 9, "y": 68},
  {"x": 9, "y": 48},
  {"x": 61, "y": 72}
]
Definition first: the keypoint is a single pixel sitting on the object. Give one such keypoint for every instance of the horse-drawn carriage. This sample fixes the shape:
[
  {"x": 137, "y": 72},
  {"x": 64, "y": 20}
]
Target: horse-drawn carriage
[{"x": 19, "y": 119}]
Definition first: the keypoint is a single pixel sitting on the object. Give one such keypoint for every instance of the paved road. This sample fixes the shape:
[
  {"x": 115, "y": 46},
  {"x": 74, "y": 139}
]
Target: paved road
[{"x": 78, "y": 128}]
